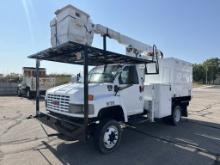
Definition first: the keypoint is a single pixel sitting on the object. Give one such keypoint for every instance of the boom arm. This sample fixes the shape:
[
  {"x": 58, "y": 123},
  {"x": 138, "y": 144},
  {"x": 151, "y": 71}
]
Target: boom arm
[
  {"x": 133, "y": 46},
  {"x": 122, "y": 39}
]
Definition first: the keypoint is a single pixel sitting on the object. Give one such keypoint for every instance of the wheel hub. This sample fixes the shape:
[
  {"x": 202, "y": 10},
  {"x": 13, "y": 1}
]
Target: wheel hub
[{"x": 111, "y": 137}]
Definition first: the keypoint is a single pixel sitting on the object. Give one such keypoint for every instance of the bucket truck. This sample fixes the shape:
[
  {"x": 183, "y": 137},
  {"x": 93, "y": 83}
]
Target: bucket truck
[{"x": 120, "y": 88}]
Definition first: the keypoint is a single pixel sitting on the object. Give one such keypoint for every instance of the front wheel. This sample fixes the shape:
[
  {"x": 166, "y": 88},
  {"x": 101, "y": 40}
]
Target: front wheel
[{"x": 108, "y": 136}]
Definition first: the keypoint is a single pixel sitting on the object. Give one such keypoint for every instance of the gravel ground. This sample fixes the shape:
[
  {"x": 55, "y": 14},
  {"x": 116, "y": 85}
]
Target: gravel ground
[{"x": 195, "y": 141}]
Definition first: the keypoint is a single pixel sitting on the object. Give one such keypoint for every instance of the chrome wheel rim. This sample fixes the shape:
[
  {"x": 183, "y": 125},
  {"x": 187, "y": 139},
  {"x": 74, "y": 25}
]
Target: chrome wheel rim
[{"x": 110, "y": 138}]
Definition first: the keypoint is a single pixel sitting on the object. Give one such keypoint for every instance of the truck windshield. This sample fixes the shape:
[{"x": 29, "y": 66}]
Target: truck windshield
[{"x": 101, "y": 74}]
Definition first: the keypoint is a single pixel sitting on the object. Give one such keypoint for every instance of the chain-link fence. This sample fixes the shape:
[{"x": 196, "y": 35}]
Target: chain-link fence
[{"x": 8, "y": 88}]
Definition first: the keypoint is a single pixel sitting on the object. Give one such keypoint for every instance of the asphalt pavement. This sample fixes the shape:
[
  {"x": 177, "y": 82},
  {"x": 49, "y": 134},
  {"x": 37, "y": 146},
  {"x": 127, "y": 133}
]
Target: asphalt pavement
[{"x": 195, "y": 141}]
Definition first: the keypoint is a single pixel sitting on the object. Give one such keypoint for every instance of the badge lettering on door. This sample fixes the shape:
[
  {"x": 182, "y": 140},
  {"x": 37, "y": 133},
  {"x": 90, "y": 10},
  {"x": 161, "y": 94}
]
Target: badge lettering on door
[{"x": 110, "y": 103}]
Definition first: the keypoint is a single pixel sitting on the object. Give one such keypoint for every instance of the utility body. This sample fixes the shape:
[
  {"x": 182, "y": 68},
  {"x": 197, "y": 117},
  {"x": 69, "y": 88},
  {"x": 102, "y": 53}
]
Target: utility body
[{"x": 118, "y": 89}]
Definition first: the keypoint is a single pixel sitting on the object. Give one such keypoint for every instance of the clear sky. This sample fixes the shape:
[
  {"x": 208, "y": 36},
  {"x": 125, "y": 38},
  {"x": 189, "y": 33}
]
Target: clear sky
[{"x": 186, "y": 29}]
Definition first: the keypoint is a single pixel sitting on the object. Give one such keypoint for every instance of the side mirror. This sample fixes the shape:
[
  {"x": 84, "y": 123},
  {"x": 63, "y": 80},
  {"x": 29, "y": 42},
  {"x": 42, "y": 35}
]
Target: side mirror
[
  {"x": 116, "y": 89},
  {"x": 78, "y": 76}
]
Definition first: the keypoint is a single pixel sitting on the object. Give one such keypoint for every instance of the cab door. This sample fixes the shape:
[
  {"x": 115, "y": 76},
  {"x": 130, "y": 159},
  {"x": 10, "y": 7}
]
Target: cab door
[{"x": 130, "y": 93}]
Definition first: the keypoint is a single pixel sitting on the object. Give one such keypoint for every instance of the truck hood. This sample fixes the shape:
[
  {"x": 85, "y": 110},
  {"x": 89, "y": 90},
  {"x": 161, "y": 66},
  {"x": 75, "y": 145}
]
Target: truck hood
[
  {"x": 68, "y": 89},
  {"x": 76, "y": 91}
]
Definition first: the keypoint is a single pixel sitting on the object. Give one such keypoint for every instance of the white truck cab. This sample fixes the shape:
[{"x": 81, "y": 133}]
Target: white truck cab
[{"x": 113, "y": 85}]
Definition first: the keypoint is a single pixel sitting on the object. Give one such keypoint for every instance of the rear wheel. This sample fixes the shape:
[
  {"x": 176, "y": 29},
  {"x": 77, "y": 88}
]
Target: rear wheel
[
  {"x": 176, "y": 115},
  {"x": 108, "y": 136}
]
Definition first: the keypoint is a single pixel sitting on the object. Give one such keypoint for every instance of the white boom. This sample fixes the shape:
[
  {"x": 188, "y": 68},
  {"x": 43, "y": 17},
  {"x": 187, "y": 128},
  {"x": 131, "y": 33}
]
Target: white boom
[
  {"x": 133, "y": 46},
  {"x": 72, "y": 24}
]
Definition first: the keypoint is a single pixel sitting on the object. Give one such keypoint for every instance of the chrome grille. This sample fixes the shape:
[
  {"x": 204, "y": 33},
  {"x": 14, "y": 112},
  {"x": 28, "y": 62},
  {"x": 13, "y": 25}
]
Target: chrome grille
[{"x": 58, "y": 102}]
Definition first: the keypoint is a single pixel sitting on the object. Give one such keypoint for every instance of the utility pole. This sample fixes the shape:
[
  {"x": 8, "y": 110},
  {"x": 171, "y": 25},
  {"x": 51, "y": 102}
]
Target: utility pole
[{"x": 206, "y": 75}]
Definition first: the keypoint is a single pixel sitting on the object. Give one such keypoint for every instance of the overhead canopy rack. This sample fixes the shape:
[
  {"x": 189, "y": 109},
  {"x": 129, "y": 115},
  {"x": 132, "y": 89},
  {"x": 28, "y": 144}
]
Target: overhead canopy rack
[{"x": 73, "y": 53}]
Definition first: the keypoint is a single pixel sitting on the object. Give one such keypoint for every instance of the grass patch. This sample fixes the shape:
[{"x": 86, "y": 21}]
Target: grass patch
[{"x": 197, "y": 84}]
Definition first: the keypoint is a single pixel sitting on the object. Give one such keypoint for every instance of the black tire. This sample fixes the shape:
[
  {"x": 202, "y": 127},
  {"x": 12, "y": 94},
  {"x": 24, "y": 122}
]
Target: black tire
[
  {"x": 176, "y": 115},
  {"x": 19, "y": 92},
  {"x": 108, "y": 136}
]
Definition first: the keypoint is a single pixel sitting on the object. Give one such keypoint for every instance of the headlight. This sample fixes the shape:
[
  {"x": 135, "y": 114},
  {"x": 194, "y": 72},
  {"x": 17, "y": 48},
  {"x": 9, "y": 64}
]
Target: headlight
[{"x": 79, "y": 108}]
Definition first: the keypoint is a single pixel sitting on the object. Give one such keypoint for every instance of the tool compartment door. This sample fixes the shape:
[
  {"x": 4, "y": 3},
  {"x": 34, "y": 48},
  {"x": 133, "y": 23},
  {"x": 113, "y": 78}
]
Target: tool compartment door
[{"x": 161, "y": 100}]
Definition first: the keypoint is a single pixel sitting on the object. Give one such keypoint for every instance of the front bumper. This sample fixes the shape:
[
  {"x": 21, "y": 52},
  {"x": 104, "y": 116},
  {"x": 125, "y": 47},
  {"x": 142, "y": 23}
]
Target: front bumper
[{"x": 72, "y": 128}]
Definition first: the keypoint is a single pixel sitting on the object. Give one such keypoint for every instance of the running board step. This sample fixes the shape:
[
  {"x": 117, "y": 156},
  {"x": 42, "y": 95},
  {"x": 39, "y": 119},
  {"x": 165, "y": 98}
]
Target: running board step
[{"x": 137, "y": 120}]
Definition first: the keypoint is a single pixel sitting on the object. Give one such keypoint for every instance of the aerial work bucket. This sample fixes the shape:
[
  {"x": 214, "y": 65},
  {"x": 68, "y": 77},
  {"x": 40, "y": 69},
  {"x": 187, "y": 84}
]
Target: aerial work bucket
[{"x": 71, "y": 24}]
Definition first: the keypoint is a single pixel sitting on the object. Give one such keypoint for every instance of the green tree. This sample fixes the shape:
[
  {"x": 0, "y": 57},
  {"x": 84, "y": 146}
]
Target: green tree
[
  {"x": 212, "y": 67},
  {"x": 198, "y": 73}
]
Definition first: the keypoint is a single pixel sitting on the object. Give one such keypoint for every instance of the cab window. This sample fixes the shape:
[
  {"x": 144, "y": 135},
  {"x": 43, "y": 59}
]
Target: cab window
[{"x": 128, "y": 75}]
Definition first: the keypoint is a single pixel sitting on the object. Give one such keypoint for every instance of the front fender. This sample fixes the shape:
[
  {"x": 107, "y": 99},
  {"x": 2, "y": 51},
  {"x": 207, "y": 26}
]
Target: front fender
[{"x": 108, "y": 102}]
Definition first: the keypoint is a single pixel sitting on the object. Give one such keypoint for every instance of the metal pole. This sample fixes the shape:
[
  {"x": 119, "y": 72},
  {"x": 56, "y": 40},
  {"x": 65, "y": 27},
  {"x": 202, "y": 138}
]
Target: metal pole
[
  {"x": 104, "y": 42},
  {"x": 37, "y": 87},
  {"x": 104, "y": 46},
  {"x": 86, "y": 92}
]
